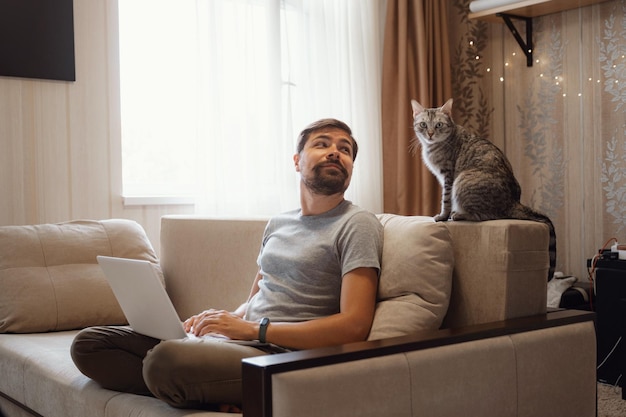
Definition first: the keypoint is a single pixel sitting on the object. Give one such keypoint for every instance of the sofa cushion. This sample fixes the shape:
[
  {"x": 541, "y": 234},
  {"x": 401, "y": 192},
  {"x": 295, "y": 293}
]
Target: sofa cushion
[
  {"x": 38, "y": 372},
  {"x": 50, "y": 279},
  {"x": 416, "y": 276}
]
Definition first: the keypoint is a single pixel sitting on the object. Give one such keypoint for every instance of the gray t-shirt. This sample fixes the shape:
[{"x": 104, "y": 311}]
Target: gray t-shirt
[{"x": 303, "y": 260}]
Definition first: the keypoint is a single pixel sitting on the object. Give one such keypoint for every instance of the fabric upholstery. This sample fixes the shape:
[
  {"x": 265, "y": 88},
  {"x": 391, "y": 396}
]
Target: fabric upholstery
[
  {"x": 499, "y": 270},
  {"x": 447, "y": 391},
  {"x": 385, "y": 382},
  {"x": 416, "y": 276},
  {"x": 209, "y": 262},
  {"x": 38, "y": 372},
  {"x": 50, "y": 279},
  {"x": 529, "y": 374},
  {"x": 546, "y": 385}
]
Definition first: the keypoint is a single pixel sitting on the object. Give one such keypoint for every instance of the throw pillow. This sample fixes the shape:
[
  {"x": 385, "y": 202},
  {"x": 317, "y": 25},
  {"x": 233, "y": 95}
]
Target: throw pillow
[{"x": 416, "y": 276}]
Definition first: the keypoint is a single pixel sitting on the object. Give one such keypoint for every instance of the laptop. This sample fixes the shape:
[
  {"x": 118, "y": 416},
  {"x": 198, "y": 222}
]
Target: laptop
[
  {"x": 139, "y": 291},
  {"x": 138, "y": 288}
]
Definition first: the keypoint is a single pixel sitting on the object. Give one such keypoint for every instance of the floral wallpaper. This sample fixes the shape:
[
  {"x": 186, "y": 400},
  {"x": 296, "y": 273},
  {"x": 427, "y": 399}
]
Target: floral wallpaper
[
  {"x": 612, "y": 49},
  {"x": 538, "y": 113},
  {"x": 561, "y": 122},
  {"x": 471, "y": 103}
]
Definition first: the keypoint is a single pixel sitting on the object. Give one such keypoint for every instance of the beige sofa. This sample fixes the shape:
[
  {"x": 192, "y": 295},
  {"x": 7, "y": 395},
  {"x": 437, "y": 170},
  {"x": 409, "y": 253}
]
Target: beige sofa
[{"x": 497, "y": 354}]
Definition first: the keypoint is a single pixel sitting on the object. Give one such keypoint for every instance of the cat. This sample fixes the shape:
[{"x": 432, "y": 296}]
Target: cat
[{"x": 476, "y": 178}]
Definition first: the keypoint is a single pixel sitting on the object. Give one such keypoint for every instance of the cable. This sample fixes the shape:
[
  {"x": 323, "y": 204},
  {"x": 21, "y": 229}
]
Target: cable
[
  {"x": 610, "y": 353},
  {"x": 591, "y": 271}
]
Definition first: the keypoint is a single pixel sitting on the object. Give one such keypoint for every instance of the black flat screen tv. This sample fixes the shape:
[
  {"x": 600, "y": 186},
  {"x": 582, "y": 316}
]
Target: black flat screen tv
[{"x": 37, "y": 39}]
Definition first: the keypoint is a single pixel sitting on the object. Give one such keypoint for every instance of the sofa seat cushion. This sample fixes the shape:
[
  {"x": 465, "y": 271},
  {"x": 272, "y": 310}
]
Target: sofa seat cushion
[
  {"x": 416, "y": 276},
  {"x": 38, "y": 372},
  {"x": 50, "y": 279}
]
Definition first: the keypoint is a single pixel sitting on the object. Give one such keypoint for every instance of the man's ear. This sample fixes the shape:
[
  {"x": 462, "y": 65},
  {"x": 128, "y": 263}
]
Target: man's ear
[{"x": 296, "y": 161}]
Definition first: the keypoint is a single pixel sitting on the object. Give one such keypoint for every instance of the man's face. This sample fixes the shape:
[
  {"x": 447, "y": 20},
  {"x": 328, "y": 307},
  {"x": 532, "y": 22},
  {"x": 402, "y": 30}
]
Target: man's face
[{"x": 325, "y": 163}]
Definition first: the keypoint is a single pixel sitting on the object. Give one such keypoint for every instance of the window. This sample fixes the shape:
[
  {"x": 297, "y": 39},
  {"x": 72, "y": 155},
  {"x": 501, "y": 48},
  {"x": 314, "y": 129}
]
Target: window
[{"x": 215, "y": 92}]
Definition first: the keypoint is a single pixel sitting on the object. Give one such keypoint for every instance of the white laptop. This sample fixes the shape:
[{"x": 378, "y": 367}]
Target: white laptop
[{"x": 139, "y": 291}]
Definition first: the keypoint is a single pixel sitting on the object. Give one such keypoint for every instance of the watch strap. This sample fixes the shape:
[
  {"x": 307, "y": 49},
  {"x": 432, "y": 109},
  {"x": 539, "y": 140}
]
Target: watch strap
[{"x": 263, "y": 329}]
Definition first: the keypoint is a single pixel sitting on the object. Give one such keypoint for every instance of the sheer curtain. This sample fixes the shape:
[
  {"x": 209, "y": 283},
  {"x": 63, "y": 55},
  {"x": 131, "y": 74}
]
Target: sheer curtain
[{"x": 214, "y": 94}]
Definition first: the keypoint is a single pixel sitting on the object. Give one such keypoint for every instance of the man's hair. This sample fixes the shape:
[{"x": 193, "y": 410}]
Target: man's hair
[{"x": 324, "y": 124}]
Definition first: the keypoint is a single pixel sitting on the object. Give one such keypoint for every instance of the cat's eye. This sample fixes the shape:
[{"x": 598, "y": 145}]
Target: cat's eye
[
  {"x": 439, "y": 125},
  {"x": 423, "y": 125}
]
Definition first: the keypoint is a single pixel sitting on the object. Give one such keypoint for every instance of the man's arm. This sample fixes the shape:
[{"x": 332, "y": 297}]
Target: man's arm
[{"x": 351, "y": 324}]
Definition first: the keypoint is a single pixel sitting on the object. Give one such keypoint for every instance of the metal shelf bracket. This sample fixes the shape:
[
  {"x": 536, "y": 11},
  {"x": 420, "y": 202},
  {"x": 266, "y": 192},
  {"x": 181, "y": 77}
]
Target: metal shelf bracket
[{"x": 527, "y": 46}]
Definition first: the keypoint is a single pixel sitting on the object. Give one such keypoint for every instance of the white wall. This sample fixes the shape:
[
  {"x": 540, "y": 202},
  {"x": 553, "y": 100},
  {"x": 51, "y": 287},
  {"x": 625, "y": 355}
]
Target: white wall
[{"x": 60, "y": 152}]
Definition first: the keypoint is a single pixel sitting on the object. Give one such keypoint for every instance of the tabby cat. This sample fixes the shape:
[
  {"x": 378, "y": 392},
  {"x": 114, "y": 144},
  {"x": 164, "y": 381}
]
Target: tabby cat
[{"x": 477, "y": 179}]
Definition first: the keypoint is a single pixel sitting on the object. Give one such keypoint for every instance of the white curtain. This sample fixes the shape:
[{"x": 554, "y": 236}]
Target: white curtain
[{"x": 215, "y": 92}]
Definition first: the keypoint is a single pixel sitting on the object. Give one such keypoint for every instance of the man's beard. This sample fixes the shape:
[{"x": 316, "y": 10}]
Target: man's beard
[{"x": 327, "y": 183}]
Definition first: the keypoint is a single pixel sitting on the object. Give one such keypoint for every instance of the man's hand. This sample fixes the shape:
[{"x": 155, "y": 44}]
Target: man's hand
[{"x": 223, "y": 323}]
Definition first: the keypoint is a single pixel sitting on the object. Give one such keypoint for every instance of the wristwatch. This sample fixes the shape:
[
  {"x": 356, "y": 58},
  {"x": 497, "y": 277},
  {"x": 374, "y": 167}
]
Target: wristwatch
[{"x": 263, "y": 328}]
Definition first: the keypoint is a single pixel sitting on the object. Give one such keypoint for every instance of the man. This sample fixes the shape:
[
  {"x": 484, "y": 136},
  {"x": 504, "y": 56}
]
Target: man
[{"x": 316, "y": 286}]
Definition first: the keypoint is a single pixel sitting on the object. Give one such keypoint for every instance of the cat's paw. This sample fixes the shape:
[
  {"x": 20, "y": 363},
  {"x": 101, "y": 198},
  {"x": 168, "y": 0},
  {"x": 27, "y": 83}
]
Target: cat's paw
[
  {"x": 441, "y": 217},
  {"x": 459, "y": 216}
]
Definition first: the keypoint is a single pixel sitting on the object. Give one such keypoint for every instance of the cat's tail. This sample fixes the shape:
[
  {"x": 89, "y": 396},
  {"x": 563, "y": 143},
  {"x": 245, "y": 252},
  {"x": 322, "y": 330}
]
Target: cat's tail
[{"x": 523, "y": 212}]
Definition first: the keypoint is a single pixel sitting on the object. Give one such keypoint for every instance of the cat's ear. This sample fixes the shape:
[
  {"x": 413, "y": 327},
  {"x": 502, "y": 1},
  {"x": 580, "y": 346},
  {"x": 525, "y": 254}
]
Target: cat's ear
[
  {"x": 417, "y": 108},
  {"x": 447, "y": 108}
]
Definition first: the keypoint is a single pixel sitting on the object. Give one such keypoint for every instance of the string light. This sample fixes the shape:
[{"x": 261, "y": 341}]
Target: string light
[{"x": 559, "y": 80}]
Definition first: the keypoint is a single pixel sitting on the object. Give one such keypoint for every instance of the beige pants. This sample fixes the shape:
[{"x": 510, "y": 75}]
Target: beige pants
[{"x": 186, "y": 373}]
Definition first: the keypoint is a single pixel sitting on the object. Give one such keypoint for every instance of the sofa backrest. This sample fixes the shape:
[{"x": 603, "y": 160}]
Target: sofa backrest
[
  {"x": 50, "y": 279},
  {"x": 499, "y": 267},
  {"x": 209, "y": 262},
  {"x": 489, "y": 271}
]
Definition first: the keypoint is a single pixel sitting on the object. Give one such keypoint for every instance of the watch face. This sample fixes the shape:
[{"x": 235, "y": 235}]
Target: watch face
[{"x": 265, "y": 321}]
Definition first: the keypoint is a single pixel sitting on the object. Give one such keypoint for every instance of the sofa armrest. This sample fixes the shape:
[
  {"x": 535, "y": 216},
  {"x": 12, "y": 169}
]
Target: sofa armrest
[
  {"x": 259, "y": 373},
  {"x": 500, "y": 272}
]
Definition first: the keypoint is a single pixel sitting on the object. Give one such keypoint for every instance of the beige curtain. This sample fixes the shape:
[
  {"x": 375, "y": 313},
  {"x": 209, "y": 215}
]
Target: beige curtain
[{"x": 416, "y": 65}]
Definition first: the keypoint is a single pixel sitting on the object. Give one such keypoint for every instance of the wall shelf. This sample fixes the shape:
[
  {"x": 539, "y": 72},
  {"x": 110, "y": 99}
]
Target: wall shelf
[
  {"x": 525, "y": 11},
  {"x": 531, "y": 8}
]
